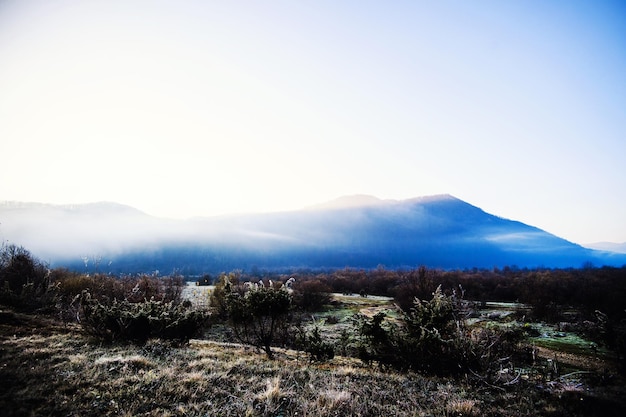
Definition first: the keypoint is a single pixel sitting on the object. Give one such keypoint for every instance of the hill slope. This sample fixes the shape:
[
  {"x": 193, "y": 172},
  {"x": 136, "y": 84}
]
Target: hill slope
[{"x": 438, "y": 231}]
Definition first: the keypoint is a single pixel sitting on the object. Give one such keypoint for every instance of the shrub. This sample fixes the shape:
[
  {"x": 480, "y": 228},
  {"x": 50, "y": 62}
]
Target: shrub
[
  {"x": 311, "y": 295},
  {"x": 24, "y": 280},
  {"x": 414, "y": 284},
  {"x": 313, "y": 344},
  {"x": 225, "y": 284},
  {"x": 259, "y": 315},
  {"x": 436, "y": 336},
  {"x": 138, "y": 322},
  {"x": 377, "y": 343},
  {"x": 432, "y": 337},
  {"x": 70, "y": 283}
]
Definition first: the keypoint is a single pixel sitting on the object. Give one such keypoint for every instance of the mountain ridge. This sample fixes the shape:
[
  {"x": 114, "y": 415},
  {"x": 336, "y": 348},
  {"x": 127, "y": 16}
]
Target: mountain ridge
[{"x": 439, "y": 231}]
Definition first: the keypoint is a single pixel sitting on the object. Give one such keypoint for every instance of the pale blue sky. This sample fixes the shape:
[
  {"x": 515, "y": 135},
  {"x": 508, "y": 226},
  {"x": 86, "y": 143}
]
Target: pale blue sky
[{"x": 184, "y": 108}]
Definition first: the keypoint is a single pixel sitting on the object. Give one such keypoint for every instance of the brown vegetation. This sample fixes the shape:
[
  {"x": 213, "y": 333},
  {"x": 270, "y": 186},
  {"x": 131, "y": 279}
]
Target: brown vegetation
[
  {"x": 434, "y": 355},
  {"x": 60, "y": 371}
]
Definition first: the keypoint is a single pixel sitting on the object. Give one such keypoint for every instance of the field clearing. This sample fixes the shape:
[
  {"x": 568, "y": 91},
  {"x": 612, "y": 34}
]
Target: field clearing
[
  {"x": 48, "y": 368},
  {"x": 63, "y": 372},
  {"x": 197, "y": 294},
  {"x": 568, "y": 348},
  {"x": 551, "y": 342}
]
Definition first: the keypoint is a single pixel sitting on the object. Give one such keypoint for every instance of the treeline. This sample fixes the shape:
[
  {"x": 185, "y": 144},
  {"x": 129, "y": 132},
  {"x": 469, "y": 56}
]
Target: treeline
[
  {"x": 27, "y": 282},
  {"x": 548, "y": 291}
]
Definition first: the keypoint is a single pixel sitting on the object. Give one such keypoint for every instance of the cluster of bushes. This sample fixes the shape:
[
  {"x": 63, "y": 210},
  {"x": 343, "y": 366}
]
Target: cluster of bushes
[
  {"x": 140, "y": 321},
  {"x": 266, "y": 314},
  {"x": 107, "y": 288},
  {"x": 548, "y": 291},
  {"x": 595, "y": 294},
  {"x": 430, "y": 333},
  {"x": 430, "y": 337},
  {"x": 131, "y": 308},
  {"x": 433, "y": 337}
]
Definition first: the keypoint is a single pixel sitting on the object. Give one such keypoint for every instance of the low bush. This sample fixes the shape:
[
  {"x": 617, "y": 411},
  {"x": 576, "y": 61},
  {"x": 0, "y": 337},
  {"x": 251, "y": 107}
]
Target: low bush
[
  {"x": 433, "y": 338},
  {"x": 70, "y": 283},
  {"x": 140, "y": 321},
  {"x": 313, "y": 344},
  {"x": 611, "y": 332},
  {"x": 259, "y": 315}
]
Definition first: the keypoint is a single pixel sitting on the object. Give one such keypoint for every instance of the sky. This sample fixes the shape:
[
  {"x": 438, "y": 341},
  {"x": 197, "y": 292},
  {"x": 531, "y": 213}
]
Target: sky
[{"x": 198, "y": 108}]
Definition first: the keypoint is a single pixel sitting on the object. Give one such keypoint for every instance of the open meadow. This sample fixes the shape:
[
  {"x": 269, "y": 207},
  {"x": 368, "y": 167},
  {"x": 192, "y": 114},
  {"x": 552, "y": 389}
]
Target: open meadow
[{"x": 51, "y": 368}]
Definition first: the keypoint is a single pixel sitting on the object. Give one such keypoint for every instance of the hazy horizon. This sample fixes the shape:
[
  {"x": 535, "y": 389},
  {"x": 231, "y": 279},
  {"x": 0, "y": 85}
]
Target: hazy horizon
[
  {"x": 146, "y": 227},
  {"x": 199, "y": 108},
  {"x": 356, "y": 231}
]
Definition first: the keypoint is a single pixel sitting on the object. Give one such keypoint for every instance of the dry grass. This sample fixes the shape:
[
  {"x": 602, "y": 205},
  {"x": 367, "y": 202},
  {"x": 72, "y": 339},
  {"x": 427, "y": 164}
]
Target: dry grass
[
  {"x": 462, "y": 408},
  {"x": 62, "y": 372}
]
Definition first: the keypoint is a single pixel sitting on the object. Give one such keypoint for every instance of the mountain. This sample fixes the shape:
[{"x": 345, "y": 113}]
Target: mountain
[
  {"x": 356, "y": 231},
  {"x": 62, "y": 232}
]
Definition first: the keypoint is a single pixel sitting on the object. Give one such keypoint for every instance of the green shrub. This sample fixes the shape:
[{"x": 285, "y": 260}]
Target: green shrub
[
  {"x": 138, "y": 322},
  {"x": 313, "y": 344},
  {"x": 259, "y": 315},
  {"x": 225, "y": 284},
  {"x": 377, "y": 342},
  {"x": 436, "y": 337},
  {"x": 433, "y": 338}
]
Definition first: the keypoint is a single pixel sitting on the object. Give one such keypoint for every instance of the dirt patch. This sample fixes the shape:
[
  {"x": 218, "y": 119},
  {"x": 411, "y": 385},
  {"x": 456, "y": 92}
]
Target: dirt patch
[
  {"x": 583, "y": 362},
  {"x": 372, "y": 311}
]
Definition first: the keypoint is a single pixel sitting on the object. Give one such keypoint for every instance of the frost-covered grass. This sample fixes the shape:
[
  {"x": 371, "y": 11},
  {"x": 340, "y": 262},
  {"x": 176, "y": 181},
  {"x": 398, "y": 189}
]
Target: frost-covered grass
[
  {"x": 199, "y": 295},
  {"x": 507, "y": 315},
  {"x": 49, "y": 369},
  {"x": 567, "y": 342}
]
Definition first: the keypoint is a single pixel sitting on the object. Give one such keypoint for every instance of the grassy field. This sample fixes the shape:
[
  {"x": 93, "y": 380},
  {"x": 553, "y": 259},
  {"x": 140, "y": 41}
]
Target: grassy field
[{"x": 51, "y": 369}]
